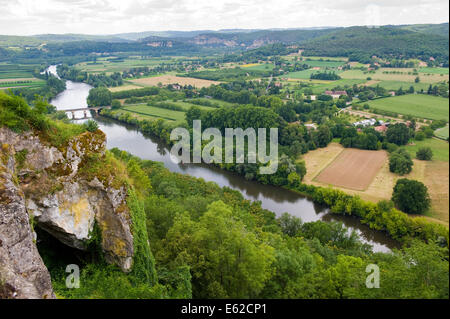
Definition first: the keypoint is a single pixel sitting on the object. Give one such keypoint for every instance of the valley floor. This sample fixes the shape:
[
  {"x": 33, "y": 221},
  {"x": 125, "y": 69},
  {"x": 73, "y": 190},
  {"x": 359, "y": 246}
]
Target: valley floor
[{"x": 434, "y": 174}]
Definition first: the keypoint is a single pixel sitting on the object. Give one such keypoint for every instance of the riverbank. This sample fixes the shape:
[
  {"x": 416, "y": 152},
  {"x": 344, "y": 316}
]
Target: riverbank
[{"x": 398, "y": 225}]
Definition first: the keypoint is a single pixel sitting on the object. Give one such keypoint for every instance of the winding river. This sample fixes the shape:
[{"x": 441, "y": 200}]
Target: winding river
[{"x": 276, "y": 199}]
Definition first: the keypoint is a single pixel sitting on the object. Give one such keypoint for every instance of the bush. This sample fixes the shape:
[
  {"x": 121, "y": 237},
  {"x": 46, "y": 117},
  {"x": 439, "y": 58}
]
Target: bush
[
  {"x": 115, "y": 104},
  {"x": 400, "y": 162},
  {"x": 424, "y": 154},
  {"x": 420, "y": 136},
  {"x": 411, "y": 196},
  {"x": 91, "y": 126}
]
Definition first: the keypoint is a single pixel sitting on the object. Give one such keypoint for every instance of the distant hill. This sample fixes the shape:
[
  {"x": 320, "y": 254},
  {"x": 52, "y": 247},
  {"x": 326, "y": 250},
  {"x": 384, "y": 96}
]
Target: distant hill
[
  {"x": 361, "y": 43},
  {"x": 78, "y": 37},
  {"x": 437, "y": 29},
  {"x": 256, "y": 39},
  {"x": 358, "y": 43}
]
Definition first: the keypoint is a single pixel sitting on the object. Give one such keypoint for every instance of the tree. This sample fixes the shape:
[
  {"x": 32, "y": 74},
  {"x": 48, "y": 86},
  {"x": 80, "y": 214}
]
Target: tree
[
  {"x": 100, "y": 96},
  {"x": 424, "y": 154},
  {"x": 411, "y": 196},
  {"x": 323, "y": 136},
  {"x": 290, "y": 225},
  {"x": 400, "y": 162},
  {"x": 226, "y": 259},
  {"x": 398, "y": 133}
]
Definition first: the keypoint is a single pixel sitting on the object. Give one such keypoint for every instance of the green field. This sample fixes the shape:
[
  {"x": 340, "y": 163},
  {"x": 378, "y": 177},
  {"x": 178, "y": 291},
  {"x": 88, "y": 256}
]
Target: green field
[
  {"x": 17, "y": 84},
  {"x": 154, "y": 112},
  {"x": 259, "y": 67},
  {"x": 15, "y": 71},
  {"x": 395, "y": 85},
  {"x": 321, "y": 87},
  {"x": 303, "y": 75},
  {"x": 434, "y": 70},
  {"x": 440, "y": 148},
  {"x": 394, "y": 74},
  {"x": 329, "y": 58},
  {"x": 417, "y": 105},
  {"x": 442, "y": 133},
  {"x": 104, "y": 65},
  {"x": 324, "y": 64}
]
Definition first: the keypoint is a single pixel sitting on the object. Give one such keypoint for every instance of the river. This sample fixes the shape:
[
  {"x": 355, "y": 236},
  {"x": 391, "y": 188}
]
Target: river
[{"x": 273, "y": 198}]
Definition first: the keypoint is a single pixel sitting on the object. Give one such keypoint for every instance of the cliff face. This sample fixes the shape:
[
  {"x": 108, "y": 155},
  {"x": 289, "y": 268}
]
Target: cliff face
[{"x": 49, "y": 186}]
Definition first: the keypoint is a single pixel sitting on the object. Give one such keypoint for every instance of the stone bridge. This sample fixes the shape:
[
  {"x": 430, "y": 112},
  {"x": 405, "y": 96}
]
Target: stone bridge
[{"x": 96, "y": 109}]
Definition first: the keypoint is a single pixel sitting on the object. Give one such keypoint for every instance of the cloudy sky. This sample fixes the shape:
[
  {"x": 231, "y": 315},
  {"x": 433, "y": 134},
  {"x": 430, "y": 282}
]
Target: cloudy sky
[{"x": 26, "y": 17}]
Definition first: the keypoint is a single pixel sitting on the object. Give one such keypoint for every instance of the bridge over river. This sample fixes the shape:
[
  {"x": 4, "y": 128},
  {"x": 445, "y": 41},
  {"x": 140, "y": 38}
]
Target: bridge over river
[{"x": 85, "y": 110}]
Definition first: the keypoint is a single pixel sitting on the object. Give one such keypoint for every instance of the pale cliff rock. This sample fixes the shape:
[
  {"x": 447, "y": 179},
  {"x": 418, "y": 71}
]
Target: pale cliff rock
[
  {"x": 64, "y": 201},
  {"x": 22, "y": 271}
]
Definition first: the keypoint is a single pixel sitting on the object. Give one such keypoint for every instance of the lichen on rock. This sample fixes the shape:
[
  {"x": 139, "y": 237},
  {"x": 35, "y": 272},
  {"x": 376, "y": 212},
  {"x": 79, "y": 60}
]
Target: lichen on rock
[{"x": 66, "y": 197}]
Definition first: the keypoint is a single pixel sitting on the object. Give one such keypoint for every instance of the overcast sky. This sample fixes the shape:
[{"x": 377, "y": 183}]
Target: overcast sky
[{"x": 26, "y": 17}]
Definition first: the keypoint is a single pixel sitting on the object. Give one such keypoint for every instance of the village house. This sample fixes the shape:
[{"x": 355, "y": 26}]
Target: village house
[
  {"x": 336, "y": 94},
  {"x": 382, "y": 128}
]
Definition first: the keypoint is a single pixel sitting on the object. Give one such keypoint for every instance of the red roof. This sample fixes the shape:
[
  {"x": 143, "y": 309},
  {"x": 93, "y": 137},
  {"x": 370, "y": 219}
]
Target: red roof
[{"x": 381, "y": 128}]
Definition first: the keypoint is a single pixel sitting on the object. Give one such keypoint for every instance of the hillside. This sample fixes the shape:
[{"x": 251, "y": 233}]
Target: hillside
[{"x": 360, "y": 43}]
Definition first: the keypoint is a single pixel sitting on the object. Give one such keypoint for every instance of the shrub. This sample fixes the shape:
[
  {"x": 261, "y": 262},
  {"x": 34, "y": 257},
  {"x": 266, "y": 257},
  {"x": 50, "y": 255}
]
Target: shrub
[
  {"x": 424, "y": 154},
  {"x": 91, "y": 126},
  {"x": 420, "y": 136}
]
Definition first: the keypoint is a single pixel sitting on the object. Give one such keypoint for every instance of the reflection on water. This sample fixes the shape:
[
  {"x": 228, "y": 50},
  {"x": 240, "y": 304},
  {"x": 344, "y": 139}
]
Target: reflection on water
[
  {"x": 273, "y": 198},
  {"x": 276, "y": 199}
]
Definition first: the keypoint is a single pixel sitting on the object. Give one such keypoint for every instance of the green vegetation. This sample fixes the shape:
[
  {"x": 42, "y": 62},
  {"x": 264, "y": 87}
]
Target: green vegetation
[
  {"x": 424, "y": 154},
  {"x": 442, "y": 133},
  {"x": 155, "y": 112},
  {"x": 100, "y": 96},
  {"x": 18, "y": 116},
  {"x": 434, "y": 70},
  {"x": 193, "y": 239},
  {"x": 323, "y": 63},
  {"x": 400, "y": 162},
  {"x": 385, "y": 42},
  {"x": 416, "y": 105},
  {"x": 15, "y": 71},
  {"x": 234, "y": 74},
  {"x": 411, "y": 196},
  {"x": 440, "y": 148},
  {"x": 304, "y": 75}
]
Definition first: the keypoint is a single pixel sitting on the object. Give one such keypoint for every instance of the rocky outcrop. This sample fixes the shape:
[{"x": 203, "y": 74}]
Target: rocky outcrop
[
  {"x": 61, "y": 192},
  {"x": 22, "y": 271}
]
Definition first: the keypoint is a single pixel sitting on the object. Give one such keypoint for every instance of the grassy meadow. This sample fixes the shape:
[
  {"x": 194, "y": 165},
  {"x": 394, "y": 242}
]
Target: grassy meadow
[{"x": 417, "y": 105}]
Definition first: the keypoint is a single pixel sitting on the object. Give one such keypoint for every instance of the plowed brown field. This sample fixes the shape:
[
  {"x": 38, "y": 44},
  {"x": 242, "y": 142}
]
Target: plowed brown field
[{"x": 353, "y": 169}]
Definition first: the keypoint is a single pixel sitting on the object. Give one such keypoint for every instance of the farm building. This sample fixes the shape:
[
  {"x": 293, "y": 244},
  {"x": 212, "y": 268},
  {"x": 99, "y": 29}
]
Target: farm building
[{"x": 369, "y": 122}]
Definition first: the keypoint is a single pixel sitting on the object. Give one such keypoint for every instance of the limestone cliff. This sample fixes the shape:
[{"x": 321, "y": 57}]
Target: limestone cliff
[{"x": 57, "y": 190}]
